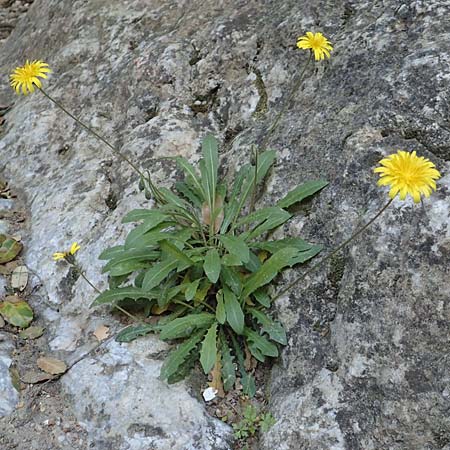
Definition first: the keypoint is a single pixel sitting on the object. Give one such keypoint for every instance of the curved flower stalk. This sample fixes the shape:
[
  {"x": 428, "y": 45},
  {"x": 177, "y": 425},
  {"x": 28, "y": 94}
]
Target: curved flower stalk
[
  {"x": 405, "y": 173},
  {"x": 27, "y": 77},
  {"x": 320, "y": 47}
]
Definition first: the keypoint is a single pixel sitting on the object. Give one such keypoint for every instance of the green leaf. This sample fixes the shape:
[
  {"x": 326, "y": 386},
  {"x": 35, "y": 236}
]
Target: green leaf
[
  {"x": 231, "y": 260},
  {"x": 183, "y": 261},
  {"x": 228, "y": 369},
  {"x": 184, "y": 326},
  {"x": 265, "y": 161},
  {"x": 157, "y": 273},
  {"x": 128, "y": 261},
  {"x": 269, "y": 270},
  {"x": 232, "y": 279},
  {"x": 176, "y": 357},
  {"x": 254, "y": 264},
  {"x": 184, "y": 189},
  {"x": 235, "y": 316},
  {"x": 262, "y": 297},
  {"x": 247, "y": 381},
  {"x": 264, "y": 219},
  {"x": 274, "y": 246},
  {"x": 210, "y": 163},
  {"x": 301, "y": 192},
  {"x": 248, "y": 186},
  {"x": 220, "y": 308},
  {"x": 18, "y": 313},
  {"x": 232, "y": 207},
  {"x": 148, "y": 215},
  {"x": 212, "y": 265},
  {"x": 308, "y": 254},
  {"x": 9, "y": 248},
  {"x": 132, "y": 239},
  {"x": 121, "y": 293},
  {"x": 192, "y": 175},
  {"x": 266, "y": 347},
  {"x": 208, "y": 352},
  {"x": 185, "y": 368},
  {"x": 132, "y": 332},
  {"x": 274, "y": 329},
  {"x": 189, "y": 294},
  {"x": 174, "y": 200},
  {"x": 236, "y": 246},
  {"x": 111, "y": 252}
]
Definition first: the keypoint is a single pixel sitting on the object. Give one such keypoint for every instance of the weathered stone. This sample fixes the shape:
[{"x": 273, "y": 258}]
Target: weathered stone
[
  {"x": 367, "y": 362},
  {"x": 9, "y": 397}
]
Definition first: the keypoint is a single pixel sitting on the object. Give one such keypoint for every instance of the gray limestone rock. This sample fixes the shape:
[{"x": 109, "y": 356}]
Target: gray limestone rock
[
  {"x": 9, "y": 397},
  {"x": 367, "y": 363}
]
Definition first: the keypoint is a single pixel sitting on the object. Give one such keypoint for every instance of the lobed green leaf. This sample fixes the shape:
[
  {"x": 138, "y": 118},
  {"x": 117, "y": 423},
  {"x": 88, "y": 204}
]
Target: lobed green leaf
[
  {"x": 228, "y": 369},
  {"x": 269, "y": 269},
  {"x": 184, "y": 326},
  {"x": 132, "y": 332},
  {"x": 301, "y": 192},
  {"x": 112, "y": 296},
  {"x": 176, "y": 357},
  {"x": 208, "y": 352},
  {"x": 274, "y": 329}
]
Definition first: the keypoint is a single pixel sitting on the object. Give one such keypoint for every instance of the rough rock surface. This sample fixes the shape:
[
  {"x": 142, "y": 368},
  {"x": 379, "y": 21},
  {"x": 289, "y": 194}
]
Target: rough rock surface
[{"x": 367, "y": 363}]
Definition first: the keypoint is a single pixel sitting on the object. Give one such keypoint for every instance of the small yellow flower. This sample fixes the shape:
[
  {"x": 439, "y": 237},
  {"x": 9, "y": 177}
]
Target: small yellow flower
[
  {"x": 63, "y": 255},
  {"x": 407, "y": 173},
  {"x": 27, "y": 76},
  {"x": 74, "y": 248},
  {"x": 59, "y": 255},
  {"x": 317, "y": 42}
]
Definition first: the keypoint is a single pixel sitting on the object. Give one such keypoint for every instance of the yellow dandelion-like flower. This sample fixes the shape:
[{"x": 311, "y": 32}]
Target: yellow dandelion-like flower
[
  {"x": 317, "y": 42},
  {"x": 63, "y": 255},
  {"x": 27, "y": 76},
  {"x": 406, "y": 173}
]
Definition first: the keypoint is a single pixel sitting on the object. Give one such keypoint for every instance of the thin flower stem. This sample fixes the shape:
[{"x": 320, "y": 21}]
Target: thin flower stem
[
  {"x": 336, "y": 250},
  {"x": 90, "y": 130},
  {"x": 96, "y": 289},
  {"x": 276, "y": 122}
]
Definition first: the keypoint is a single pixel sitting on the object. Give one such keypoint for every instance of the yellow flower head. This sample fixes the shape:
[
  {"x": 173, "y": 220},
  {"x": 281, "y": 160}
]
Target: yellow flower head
[
  {"x": 63, "y": 255},
  {"x": 317, "y": 42},
  {"x": 27, "y": 76},
  {"x": 407, "y": 173}
]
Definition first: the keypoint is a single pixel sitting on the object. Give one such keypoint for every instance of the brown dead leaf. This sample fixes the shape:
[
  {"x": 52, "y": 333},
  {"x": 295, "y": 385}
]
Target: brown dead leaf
[
  {"x": 19, "y": 278},
  {"x": 101, "y": 333},
  {"x": 33, "y": 377},
  {"x": 51, "y": 365},
  {"x": 31, "y": 333},
  {"x": 248, "y": 359},
  {"x": 13, "y": 299},
  {"x": 219, "y": 213},
  {"x": 216, "y": 382}
]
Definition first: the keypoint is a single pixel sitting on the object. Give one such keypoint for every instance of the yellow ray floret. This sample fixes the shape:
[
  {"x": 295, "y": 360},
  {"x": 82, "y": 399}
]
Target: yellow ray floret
[
  {"x": 317, "y": 42},
  {"x": 406, "y": 173},
  {"x": 27, "y": 76},
  {"x": 63, "y": 255}
]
